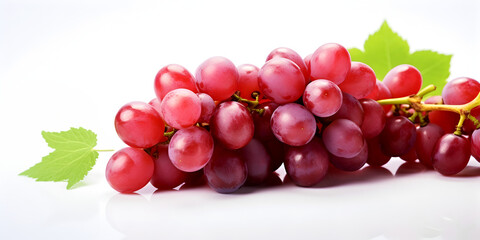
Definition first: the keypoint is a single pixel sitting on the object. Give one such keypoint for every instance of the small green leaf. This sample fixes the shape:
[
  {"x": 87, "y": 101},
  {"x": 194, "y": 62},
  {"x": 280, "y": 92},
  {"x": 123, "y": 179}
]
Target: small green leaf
[
  {"x": 385, "y": 49},
  {"x": 72, "y": 159}
]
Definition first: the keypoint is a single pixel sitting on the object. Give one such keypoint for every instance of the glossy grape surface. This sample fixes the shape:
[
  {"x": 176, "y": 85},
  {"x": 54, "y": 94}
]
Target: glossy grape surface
[
  {"x": 217, "y": 77},
  {"x": 290, "y": 54},
  {"x": 248, "y": 81},
  {"x": 293, "y": 124},
  {"x": 373, "y": 118},
  {"x": 427, "y": 137},
  {"x": 281, "y": 80},
  {"x": 398, "y": 136},
  {"x": 181, "y": 108},
  {"x": 307, "y": 165},
  {"x": 451, "y": 154},
  {"x": 226, "y": 172},
  {"x": 171, "y": 77},
  {"x": 190, "y": 149},
  {"x": 330, "y": 61},
  {"x": 376, "y": 157},
  {"x": 258, "y": 162},
  {"x": 360, "y": 80},
  {"x": 351, "y": 109},
  {"x": 262, "y": 130},
  {"x": 129, "y": 169},
  {"x": 403, "y": 80},
  {"x": 323, "y": 98},
  {"x": 343, "y": 138},
  {"x": 351, "y": 164},
  {"x": 165, "y": 174},
  {"x": 139, "y": 125},
  {"x": 232, "y": 125},
  {"x": 208, "y": 107}
]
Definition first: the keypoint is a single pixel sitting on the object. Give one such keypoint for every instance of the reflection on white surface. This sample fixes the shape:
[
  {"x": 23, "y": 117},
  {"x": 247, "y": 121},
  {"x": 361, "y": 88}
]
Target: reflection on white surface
[{"x": 368, "y": 204}]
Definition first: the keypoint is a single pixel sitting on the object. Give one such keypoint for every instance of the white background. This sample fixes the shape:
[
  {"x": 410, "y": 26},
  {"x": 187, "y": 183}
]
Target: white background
[{"x": 75, "y": 63}]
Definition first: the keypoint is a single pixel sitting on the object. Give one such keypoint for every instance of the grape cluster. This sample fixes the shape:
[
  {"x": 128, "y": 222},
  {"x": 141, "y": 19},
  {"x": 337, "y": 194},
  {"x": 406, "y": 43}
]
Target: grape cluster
[{"x": 232, "y": 126}]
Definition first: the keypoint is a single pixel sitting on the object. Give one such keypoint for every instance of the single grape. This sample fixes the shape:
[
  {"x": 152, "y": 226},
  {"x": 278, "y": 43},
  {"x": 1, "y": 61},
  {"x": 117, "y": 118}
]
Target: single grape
[
  {"x": 139, "y": 125},
  {"x": 451, "y": 154},
  {"x": 190, "y": 149},
  {"x": 475, "y": 144},
  {"x": 258, "y": 162},
  {"x": 290, "y": 54},
  {"x": 376, "y": 157},
  {"x": 398, "y": 136},
  {"x": 276, "y": 150},
  {"x": 360, "y": 80},
  {"x": 351, "y": 109},
  {"x": 248, "y": 81},
  {"x": 165, "y": 174},
  {"x": 226, "y": 172},
  {"x": 410, "y": 156},
  {"x": 374, "y": 118},
  {"x": 217, "y": 77},
  {"x": 307, "y": 165},
  {"x": 173, "y": 77},
  {"x": 353, "y": 163},
  {"x": 208, "y": 107},
  {"x": 343, "y": 138},
  {"x": 232, "y": 125},
  {"x": 129, "y": 169},
  {"x": 156, "y": 103},
  {"x": 427, "y": 136},
  {"x": 262, "y": 129},
  {"x": 293, "y": 124},
  {"x": 181, "y": 108},
  {"x": 403, "y": 80},
  {"x": 281, "y": 80},
  {"x": 323, "y": 98},
  {"x": 446, "y": 120},
  {"x": 330, "y": 61}
]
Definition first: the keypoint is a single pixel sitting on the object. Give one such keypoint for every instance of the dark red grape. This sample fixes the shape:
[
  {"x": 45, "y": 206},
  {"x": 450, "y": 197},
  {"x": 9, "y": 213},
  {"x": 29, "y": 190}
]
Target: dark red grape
[
  {"x": 226, "y": 172},
  {"x": 398, "y": 136},
  {"x": 258, "y": 162},
  {"x": 232, "y": 125},
  {"x": 451, "y": 154},
  {"x": 427, "y": 137}
]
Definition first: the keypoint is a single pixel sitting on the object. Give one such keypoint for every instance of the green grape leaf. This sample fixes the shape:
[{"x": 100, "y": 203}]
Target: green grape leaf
[
  {"x": 71, "y": 160},
  {"x": 385, "y": 49}
]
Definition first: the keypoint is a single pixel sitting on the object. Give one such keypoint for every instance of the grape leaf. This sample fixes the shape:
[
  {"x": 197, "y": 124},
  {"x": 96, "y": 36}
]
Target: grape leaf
[
  {"x": 71, "y": 160},
  {"x": 385, "y": 49}
]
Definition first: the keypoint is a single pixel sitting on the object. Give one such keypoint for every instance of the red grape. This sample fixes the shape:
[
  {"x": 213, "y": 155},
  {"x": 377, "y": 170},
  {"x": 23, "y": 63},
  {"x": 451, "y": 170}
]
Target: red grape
[
  {"x": 373, "y": 118},
  {"x": 290, "y": 54},
  {"x": 232, "y": 125},
  {"x": 360, "y": 80},
  {"x": 446, "y": 120},
  {"x": 190, "y": 149},
  {"x": 351, "y": 109},
  {"x": 217, "y": 77},
  {"x": 460, "y": 90},
  {"x": 427, "y": 136},
  {"x": 398, "y": 136},
  {"x": 248, "y": 81},
  {"x": 384, "y": 93},
  {"x": 258, "y": 162},
  {"x": 307, "y": 165},
  {"x": 276, "y": 149},
  {"x": 376, "y": 157},
  {"x": 263, "y": 131},
  {"x": 181, "y": 108},
  {"x": 226, "y": 172},
  {"x": 172, "y": 77},
  {"x": 281, "y": 80},
  {"x": 451, "y": 154},
  {"x": 343, "y": 138},
  {"x": 139, "y": 125},
  {"x": 156, "y": 103},
  {"x": 475, "y": 144},
  {"x": 165, "y": 174},
  {"x": 129, "y": 169},
  {"x": 403, "y": 80},
  {"x": 323, "y": 98},
  {"x": 351, "y": 164},
  {"x": 330, "y": 61},
  {"x": 293, "y": 124}
]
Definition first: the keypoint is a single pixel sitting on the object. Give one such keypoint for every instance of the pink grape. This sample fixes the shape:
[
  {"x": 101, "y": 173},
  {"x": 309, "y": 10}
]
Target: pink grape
[
  {"x": 172, "y": 77},
  {"x": 139, "y": 125},
  {"x": 427, "y": 136},
  {"x": 129, "y": 169},
  {"x": 181, "y": 108},
  {"x": 323, "y": 98},
  {"x": 403, "y": 80},
  {"x": 281, "y": 80},
  {"x": 384, "y": 93},
  {"x": 208, "y": 107},
  {"x": 351, "y": 164},
  {"x": 248, "y": 81},
  {"x": 330, "y": 61},
  {"x": 217, "y": 77},
  {"x": 351, "y": 109},
  {"x": 156, "y": 103},
  {"x": 293, "y": 124},
  {"x": 343, "y": 138},
  {"x": 258, "y": 162},
  {"x": 232, "y": 125},
  {"x": 307, "y": 165},
  {"x": 460, "y": 90},
  {"x": 190, "y": 149},
  {"x": 290, "y": 54},
  {"x": 360, "y": 80}
]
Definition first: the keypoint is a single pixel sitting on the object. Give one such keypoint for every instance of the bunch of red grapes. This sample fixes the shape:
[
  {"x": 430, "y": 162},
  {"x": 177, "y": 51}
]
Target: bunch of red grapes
[{"x": 233, "y": 126}]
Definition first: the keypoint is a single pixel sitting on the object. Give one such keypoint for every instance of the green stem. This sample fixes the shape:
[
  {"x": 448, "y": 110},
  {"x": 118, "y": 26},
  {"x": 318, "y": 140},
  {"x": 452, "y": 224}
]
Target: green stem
[
  {"x": 394, "y": 101},
  {"x": 169, "y": 134},
  {"x": 428, "y": 89},
  {"x": 474, "y": 120},
  {"x": 251, "y": 104},
  {"x": 458, "y": 130}
]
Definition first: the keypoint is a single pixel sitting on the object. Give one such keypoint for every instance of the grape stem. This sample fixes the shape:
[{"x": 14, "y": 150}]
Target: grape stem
[
  {"x": 415, "y": 101},
  {"x": 251, "y": 104}
]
